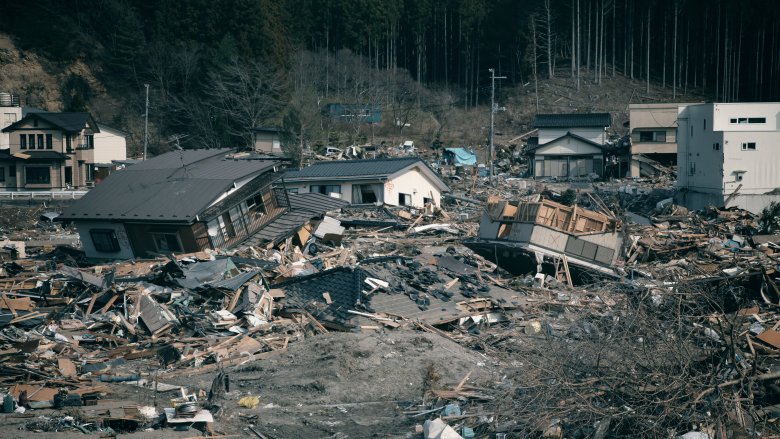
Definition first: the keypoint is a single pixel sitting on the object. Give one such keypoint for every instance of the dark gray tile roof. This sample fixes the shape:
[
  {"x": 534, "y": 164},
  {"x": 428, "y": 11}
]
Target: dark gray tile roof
[
  {"x": 573, "y": 120},
  {"x": 43, "y": 155},
  {"x": 67, "y": 121},
  {"x": 344, "y": 285},
  {"x": 353, "y": 168},
  {"x": 175, "y": 186}
]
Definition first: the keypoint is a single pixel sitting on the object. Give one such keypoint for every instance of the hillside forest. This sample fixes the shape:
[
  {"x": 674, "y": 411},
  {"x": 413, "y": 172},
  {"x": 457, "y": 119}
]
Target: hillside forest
[{"x": 216, "y": 68}]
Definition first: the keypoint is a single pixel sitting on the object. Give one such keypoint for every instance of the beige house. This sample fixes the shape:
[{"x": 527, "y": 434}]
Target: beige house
[
  {"x": 50, "y": 151},
  {"x": 267, "y": 140},
  {"x": 653, "y": 130}
]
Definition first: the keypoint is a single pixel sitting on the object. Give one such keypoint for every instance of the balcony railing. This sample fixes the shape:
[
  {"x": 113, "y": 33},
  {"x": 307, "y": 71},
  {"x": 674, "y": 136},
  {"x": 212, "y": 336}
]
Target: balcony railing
[{"x": 85, "y": 146}]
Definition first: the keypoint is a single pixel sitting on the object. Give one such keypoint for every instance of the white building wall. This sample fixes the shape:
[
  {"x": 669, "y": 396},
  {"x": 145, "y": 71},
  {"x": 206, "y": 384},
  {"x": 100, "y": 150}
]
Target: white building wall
[
  {"x": 346, "y": 187},
  {"x": 8, "y": 115},
  {"x": 597, "y": 135},
  {"x": 723, "y": 113},
  {"x": 412, "y": 182},
  {"x": 761, "y": 166},
  {"x": 125, "y": 249},
  {"x": 699, "y": 163},
  {"x": 109, "y": 145},
  {"x": 568, "y": 146}
]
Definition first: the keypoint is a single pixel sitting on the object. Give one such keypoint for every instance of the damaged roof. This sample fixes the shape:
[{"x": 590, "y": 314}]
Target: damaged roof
[
  {"x": 573, "y": 120},
  {"x": 175, "y": 186}
]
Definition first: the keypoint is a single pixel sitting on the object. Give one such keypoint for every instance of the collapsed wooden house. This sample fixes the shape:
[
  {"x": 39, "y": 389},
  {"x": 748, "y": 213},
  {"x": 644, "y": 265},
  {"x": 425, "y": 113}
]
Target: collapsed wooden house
[{"x": 547, "y": 231}]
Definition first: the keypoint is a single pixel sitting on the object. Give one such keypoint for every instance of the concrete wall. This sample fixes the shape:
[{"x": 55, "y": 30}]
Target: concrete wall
[
  {"x": 597, "y": 135},
  {"x": 88, "y": 246}
]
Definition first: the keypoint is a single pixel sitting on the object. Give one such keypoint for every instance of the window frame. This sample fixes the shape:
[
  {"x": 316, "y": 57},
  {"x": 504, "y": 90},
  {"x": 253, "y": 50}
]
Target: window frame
[
  {"x": 49, "y": 141},
  {"x": 114, "y": 246},
  {"x": 156, "y": 235},
  {"x": 22, "y": 141},
  {"x": 27, "y": 174},
  {"x": 402, "y": 199},
  {"x": 746, "y": 146},
  {"x": 323, "y": 189}
]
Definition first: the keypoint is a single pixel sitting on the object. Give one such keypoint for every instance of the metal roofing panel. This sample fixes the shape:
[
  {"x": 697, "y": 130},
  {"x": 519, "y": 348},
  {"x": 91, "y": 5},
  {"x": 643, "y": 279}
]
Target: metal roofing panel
[
  {"x": 573, "y": 120},
  {"x": 353, "y": 168}
]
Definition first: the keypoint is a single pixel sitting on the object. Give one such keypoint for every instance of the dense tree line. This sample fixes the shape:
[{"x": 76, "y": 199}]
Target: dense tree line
[{"x": 216, "y": 66}]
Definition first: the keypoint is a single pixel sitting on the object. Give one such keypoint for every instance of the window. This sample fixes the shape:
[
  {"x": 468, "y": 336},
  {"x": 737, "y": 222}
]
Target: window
[
  {"x": 23, "y": 141},
  {"x": 167, "y": 242},
  {"x": 89, "y": 172},
  {"x": 40, "y": 141},
  {"x": 31, "y": 141},
  {"x": 404, "y": 199},
  {"x": 326, "y": 189},
  {"x": 652, "y": 136},
  {"x": 104, "y": 240},
  {"x": 749, "y": 146},
  {"x": 292, "y": 190},
  {"x": 745, "y": 120},
  {"x": 704, "y": 124},
  {"x": 427, "y": 200},
  {"x": 2, "y": 174},
  {"x": 716, "y": 146},
  {"x": 49, "y": 143},
  {"x": 68, "y": 146},
  {"x": 89, "y": 141},
  {"x": 256, "y": 205},
  {"x": 692, "y": 169},
  {"x": 37, "y": 175}
]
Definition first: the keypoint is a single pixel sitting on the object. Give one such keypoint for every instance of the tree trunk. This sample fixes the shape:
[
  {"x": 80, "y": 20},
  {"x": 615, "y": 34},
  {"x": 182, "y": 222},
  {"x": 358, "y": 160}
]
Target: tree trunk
[
  {"x": 573, "y": 53},
  {"x": 579, "y": 44},
  {"x": 647, "y": 72},
  {"x": 548, "y": 22},
  {"x": 674, "y": 54}
]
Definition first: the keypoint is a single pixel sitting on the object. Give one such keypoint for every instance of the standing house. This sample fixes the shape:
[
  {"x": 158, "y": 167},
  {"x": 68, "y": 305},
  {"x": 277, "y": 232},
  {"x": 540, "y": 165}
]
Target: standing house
[
  {"x": 54, "y": 151},
  {"x": 267, "y": 140},
  {"x": 406, "y": 181},
  {"x": 569, "y": 145},
  {"x": 181, "y": 201},
  {"x": 653, "y": 132},
  {"x": 728, "y": 155},
  {"x": 12, "y": 111}
]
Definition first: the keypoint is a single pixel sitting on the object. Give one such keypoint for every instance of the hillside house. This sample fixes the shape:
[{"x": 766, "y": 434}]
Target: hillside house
[
  {"x": 727, "y": 155},
  {"x": 568, "y": 145},
  {"x": 653, "y": 133},
  {"x": 405, "y": 181},
  {"x": 267, "y": 140}
]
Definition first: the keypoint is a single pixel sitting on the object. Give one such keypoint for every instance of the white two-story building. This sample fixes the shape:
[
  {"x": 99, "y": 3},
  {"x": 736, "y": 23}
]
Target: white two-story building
[{"x": 729, "y": 155}]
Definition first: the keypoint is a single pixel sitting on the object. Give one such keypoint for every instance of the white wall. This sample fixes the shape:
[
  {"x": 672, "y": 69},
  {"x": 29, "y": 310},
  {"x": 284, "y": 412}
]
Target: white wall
[
  {"x": 412, "y": 182},
  {"x": 346, "y": 187},
  {"x": 762, "y": 165},
  {"x": 695, "y": 140},
  {"x": 110, "y": 144},
  {"x": 597, "y": 135},
  {"x": 568, "y": 146},
  {"x": 8, "y": 115},
  {"x": 723, "y": 113},
  {"x": 125, "y": 250}
]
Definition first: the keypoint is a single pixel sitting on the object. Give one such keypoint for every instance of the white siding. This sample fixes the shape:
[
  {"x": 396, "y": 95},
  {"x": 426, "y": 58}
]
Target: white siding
[
  {"x": 414, "y": 183},
  {"x": 568, "y": 146},
  {"x": 110, "y": 145}
]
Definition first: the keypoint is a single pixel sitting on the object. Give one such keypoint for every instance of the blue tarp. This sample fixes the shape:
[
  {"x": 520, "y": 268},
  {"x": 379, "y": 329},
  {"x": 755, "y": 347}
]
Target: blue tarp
[{"x": 460, "y": 156}]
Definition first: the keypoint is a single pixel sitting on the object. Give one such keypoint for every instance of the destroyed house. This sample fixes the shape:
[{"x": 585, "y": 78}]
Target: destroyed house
[
  {"x": 547, "y": 230},
  {"x": 179, "y": 202},
  {"x": 568, "y": 145},
  {"x": 404, "y": 181}
]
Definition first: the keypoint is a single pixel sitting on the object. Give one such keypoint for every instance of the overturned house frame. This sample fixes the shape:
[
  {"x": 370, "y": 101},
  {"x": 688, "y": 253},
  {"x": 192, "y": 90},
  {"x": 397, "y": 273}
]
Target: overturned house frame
[{"x": 518, "y": 235}]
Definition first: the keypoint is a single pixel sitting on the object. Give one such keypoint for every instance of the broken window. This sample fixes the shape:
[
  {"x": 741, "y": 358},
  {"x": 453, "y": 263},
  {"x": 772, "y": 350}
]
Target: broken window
[
  {"x": 427, "y": 200},
  {"x": 37, "y": 175},
  {"x": 256, "y": 205},
  {"x": 325, "y": 189},
  {"x": 749, "y": 146},
  {"x": 167, "y": 242},
  {"x": 404, "y": 199},
  {"x": 104, "y": 240},
  {"x": 367, "y": 193}
]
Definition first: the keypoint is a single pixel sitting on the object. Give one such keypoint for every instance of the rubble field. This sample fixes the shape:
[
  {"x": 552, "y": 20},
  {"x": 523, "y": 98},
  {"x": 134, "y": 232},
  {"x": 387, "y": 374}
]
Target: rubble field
[{"x": 525, "y": 309}]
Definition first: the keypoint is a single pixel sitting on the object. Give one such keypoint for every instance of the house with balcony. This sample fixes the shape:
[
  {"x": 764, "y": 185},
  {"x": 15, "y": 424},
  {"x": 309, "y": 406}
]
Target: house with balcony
[
  {"x": 188, "y": 201},
  {"x": 653, "y": 134},
  {"x": 55, "y": 151}
]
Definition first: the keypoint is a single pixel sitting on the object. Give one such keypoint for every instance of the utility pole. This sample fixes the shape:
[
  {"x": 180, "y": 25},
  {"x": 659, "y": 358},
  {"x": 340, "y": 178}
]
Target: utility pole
[
  {"x": 146, "y": 121},
  {"x": 493, "y": 110}
]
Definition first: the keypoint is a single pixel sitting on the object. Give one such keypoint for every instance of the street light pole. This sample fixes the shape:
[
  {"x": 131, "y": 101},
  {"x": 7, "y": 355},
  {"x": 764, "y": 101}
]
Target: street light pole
[
  {"x": 146, "y": 121},
  {"x": 493, "y": 110}
]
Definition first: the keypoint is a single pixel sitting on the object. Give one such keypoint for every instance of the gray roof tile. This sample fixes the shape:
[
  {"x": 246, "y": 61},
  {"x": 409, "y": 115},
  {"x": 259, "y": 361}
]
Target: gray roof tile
[
  {"x": 353, "y": 168},
  {"x": 573, "y": 120}
]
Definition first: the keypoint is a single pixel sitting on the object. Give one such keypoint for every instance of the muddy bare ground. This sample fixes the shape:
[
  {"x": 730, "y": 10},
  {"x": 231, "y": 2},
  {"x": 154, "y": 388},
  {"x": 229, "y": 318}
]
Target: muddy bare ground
[{"x": 339, "y": 385}]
